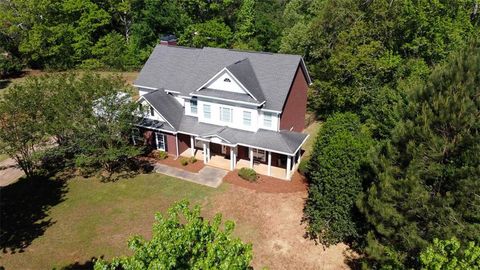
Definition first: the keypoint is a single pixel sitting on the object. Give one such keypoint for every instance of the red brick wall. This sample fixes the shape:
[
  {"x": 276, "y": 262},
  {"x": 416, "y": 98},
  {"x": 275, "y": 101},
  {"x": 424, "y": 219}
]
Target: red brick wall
[
  {"x": 296, "y": 105},
  {"x": 149, "y": 136},
  {"x": 171, "y": 144},
  {"x": 183, "y": 143}
]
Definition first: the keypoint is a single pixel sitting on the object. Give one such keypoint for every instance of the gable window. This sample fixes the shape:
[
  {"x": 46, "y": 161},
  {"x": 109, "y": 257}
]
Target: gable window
[
  {"x": 267, "y": 119},
  {"x": 226, "y": 80},
  {"x": 152, "y": 111},
  {"x": 226, "y": 114},
  {"x": 207, "y": 112},
  {"x": 247, "y": 118}
]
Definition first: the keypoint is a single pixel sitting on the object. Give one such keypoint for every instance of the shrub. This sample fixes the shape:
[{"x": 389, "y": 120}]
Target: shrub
[
  {"x": 184, "y": 161},
  {"x": 248, "y": 174},
  {"x": 335, "y": 176},
  {"x": 192, "y": 160},
  {"x": 303, "y": 167},
  {"x": 158, "y": 154}
]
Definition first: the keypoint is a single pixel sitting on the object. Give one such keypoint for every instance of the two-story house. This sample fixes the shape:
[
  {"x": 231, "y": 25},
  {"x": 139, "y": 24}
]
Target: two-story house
[{"x": 230, "y": 108}]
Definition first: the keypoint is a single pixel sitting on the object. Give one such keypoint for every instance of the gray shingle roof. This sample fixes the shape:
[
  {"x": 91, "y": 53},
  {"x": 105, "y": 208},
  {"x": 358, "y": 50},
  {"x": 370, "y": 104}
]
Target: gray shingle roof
[
  {"x": 166, "y": 105},
  {"x": 154, "y": 124},
  {"x": 225, "y": 95},
  {"x": 243, "y": 71},
  {"x": 186, "y": 69},
  {"x": 283, "y": 141}
]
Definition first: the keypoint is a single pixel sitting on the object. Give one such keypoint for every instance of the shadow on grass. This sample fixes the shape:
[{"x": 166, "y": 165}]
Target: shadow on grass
[
  {"x": 128, "y": 169},
  {"x": 24, "y": 208},
  {"x": 4, "y": 84},
  {"x": 87, "y": 265}
]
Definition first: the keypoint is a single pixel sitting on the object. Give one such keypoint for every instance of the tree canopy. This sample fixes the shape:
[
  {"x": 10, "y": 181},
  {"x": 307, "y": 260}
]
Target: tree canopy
[
  {"x": 183, "y": 239},
  {"x": 426, "y": 176}
]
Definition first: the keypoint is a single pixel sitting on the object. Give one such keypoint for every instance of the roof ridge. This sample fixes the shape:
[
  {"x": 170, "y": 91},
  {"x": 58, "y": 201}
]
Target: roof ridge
[{"x": 252, "y": 51}]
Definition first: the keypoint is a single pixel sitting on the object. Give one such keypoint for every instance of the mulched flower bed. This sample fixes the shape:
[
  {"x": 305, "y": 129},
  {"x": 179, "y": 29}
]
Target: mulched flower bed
[{"x": 269, "y": 184}]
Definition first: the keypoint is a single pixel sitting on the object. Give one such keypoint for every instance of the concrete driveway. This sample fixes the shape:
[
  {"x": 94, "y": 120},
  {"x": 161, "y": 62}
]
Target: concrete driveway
[
  {"x": 208, "y": 176},
  {"x": 9, "y": 172}
]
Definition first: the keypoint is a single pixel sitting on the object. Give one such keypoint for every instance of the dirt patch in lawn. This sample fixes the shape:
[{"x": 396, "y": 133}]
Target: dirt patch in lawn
[
  {"x": 191, "y": 167},
  {"x": 272, "y": 223},
  {"x": 269, "y": 184}
]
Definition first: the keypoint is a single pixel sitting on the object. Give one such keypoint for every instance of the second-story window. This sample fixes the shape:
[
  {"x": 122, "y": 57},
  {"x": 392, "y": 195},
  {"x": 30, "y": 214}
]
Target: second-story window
[
  {"x": 267, "y": 119},
  {"x": 226, "y": 114},
  {"x": 152, "y": 111},
  {"x": 207, "y": 112},
  {"x": 247, "y": 118},
  {"x": 193, "y": 106}
]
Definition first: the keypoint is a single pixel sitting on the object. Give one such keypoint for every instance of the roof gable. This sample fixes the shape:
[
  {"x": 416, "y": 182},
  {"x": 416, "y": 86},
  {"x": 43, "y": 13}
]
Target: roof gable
[
  {"x": 243, "y": 71},
  {"x": 184, "y": 70},
  {"x": 166, "y": 106},
  {"x": 225, "y": 81}
]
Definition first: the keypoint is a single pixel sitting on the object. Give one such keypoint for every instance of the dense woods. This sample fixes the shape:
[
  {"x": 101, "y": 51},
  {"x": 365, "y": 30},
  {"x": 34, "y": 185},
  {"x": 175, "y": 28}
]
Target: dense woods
[{"x": 395, "y": 169}]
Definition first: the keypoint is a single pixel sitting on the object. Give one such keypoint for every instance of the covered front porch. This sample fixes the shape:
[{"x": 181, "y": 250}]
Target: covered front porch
[{"x": 217, "y": 153}]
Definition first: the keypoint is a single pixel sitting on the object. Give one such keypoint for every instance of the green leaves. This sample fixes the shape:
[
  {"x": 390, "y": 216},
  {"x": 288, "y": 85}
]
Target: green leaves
[
  {"x": 426, "y": 178},
  {"x": 87, "y": 116},
  {"x": 335, "y": 174},
  {"x": 183, "y": 239},
  {"x": 449, "y": 255}
]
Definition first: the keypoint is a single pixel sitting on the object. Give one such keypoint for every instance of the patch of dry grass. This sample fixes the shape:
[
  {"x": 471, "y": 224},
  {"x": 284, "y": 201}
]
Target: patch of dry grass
[
  {"x": 312, "y": 130},
  {"x": 97, "y": 219}
]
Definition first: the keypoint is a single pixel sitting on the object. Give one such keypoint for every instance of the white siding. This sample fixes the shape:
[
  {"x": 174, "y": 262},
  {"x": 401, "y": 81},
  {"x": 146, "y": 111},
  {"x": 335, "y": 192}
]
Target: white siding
[
  {"x": 237, "y": 119},
  {"x": 220, "y": 84},
  {"x": 155, "y": 116}
]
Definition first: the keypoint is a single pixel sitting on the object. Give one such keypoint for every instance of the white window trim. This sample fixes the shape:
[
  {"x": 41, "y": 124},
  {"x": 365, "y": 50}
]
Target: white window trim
[
  {"x": 209, "y": 111},
  {"x": 196, "y": 106},
  {"x": 221, "y": 114},
  {"x": 249, "y": 118},
  {"x": 261, "y": 156},
  {"x": 163, "y": 140},
  {"x": 270, "y": 119}
]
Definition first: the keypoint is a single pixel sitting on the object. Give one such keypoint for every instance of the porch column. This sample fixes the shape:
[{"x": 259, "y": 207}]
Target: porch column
[
  {"x": 294, "y": 161},
  {"x": 231, "y": 159},
  {"x": 192, "y": 145},
  {"x": 208, "y": 152},
  {"x": 250, "y": 155},
  {"x": 299, "y": 153},
  {"x": 176, "y": 143},
  {"x": 235, "y": 158},
  {"x": 269, "y": 163},
  {"x": 288, "y": 167},
  {"x": 205, "y": 152}
]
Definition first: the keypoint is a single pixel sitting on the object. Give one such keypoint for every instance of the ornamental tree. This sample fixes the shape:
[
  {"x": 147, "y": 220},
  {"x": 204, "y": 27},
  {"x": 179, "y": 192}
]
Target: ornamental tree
[{"x": 183, "y": 239}]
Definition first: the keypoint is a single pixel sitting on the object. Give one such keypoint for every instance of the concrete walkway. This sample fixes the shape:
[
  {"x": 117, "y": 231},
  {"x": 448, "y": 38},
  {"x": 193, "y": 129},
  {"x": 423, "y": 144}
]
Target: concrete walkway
[
  {"x": 208, "y": 176},
  {"x": 9, "y": 172}
]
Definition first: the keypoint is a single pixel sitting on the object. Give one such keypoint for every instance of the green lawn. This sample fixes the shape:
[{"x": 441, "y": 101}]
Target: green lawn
[
  {"x": 93, "y": 219},
  {"x": 3, "y": 157}
]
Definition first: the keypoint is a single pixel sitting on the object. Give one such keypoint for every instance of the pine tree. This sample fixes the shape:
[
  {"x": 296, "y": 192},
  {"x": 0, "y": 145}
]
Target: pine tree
[{"x": 427, "y": 178}]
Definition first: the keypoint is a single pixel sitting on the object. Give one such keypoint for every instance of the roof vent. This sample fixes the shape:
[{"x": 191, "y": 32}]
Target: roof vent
[{"x": 169, "y": 40}]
